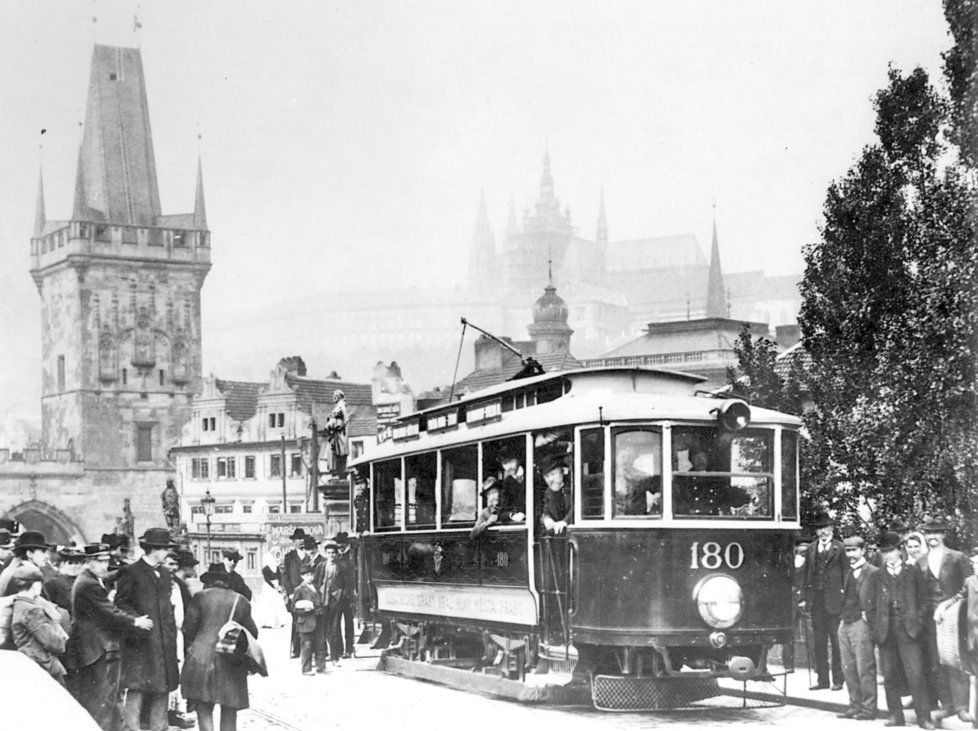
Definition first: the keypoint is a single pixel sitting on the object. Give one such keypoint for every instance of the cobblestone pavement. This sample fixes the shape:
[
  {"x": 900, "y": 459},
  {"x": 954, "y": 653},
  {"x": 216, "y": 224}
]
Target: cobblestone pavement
[{"x": 356, "y": 695}]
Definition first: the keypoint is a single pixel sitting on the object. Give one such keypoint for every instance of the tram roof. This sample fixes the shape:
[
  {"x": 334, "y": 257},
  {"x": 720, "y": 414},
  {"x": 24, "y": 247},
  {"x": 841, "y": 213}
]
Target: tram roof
[{"x": 650, "y": 394}]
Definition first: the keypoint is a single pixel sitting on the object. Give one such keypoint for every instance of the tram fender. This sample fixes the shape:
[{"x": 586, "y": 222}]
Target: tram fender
[{"x": 741, "y": 668}]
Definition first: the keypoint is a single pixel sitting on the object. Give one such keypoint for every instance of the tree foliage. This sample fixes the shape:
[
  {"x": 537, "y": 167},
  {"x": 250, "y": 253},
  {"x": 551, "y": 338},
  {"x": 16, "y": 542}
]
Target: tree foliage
[{"x": 890, "y": 309}]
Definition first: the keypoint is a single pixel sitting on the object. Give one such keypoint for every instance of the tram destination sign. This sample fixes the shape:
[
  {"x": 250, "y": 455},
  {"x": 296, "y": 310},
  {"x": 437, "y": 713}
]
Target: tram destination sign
[
  {"x": 484, "y": 412},
  {"x": 407, "y": 430},
  {"x": 443, "y": 422},
  {"x": 511, "y": 605}
]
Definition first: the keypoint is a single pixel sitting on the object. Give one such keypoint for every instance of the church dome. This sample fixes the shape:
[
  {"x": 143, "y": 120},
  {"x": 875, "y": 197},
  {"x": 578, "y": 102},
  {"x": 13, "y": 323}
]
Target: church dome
[{"x": 550, "y": 307}]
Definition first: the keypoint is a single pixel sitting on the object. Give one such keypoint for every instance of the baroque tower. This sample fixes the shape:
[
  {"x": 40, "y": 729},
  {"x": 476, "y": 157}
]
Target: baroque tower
[{"x": 120, "y": 290}]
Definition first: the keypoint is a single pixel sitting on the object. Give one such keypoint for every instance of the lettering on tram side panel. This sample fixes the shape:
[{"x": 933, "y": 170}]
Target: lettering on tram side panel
[
  {"x": 443, "y": 421},
  {"x": 409, "y": 430},
  {"x": 484, "y": 412},
  {"x": 711, "y": 555},
  {"x": 509, "y": 605}
]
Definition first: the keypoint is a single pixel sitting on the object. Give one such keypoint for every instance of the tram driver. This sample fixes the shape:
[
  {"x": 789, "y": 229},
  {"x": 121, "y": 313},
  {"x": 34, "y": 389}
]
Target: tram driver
[
  {"x": 705, "y": 494},
  {"x": 558, "y": 506}
]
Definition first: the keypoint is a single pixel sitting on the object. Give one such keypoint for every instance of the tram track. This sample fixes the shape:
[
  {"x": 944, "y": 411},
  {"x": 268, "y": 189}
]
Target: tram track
[{"x": 272, "y": 718}]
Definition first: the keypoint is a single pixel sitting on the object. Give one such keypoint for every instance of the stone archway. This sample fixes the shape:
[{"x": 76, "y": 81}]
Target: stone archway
[{"x": 57, "y": 527}]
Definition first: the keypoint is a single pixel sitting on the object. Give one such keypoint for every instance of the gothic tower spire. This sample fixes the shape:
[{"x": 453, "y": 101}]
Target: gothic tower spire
[
  {"x": 602, "y": 233},
  {"x": 200, "y": 211},
  {"x": 39, "y": 215},
  {"x": 716, "y": 299},
  {"x": 482, "y": 253},
  {"x": 79, "y": 209}
]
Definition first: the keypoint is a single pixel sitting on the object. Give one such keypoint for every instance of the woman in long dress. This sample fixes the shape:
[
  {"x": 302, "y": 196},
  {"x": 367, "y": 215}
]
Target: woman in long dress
[
  {"x": 270, "y": 608},
  {"x": 209, "y": 677}
]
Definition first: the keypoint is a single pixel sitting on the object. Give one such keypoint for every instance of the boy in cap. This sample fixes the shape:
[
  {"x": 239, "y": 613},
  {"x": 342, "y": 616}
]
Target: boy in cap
[
  {"x": 334, "y": 586},
  {"x": 855, "y": 632},
  {"x": 900, "y": 612},
  {"x": 307, "y": 608},
  {"x": 35, "y": 630},
  {"x": 97, "y": 634}
]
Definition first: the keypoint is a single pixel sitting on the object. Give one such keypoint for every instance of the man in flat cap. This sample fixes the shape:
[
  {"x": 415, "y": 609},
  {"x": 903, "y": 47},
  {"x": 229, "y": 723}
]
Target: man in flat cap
[
  {"x": 97, "y": 633},
  {"x": 558, "y": 505},
  {"x": 855, "y": 632},
  {"x": 825, "y": 572},
  {"x": 334, "y": 587},
  {"x": 149, "y": 659},
  {"x": 945, "y": 571},
  {"x": 230, "y": 558}
]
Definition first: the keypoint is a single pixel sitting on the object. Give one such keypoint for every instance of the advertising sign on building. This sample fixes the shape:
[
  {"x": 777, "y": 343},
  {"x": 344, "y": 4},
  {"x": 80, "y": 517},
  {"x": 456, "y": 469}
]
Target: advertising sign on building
[{"x": 279, "y": 529}]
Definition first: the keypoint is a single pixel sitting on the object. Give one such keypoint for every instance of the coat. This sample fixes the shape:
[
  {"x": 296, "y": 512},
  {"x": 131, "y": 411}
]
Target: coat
[
  {"x": 833, "y": 576},
  {"x": 149, "y": 659},
  {"x": 955, "y": 568},
  {"x": 970, "y": 592},
  {"x": 99, "y": 624},
  {"x": 237, "y": 583},
  {"x": 207, "y": 675},
  {"x": 38, "y": 636},
  {"x": 305, "y": 620},
  {"x": 336, "y": 589},
  {"x": 910, "y": 594},
  {"x": 290, "y": 571}
]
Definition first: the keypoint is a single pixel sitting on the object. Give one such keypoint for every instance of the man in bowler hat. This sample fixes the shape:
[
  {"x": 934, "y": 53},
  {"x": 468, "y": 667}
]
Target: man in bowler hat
[
  {"x": 900, "y": 613},
  {"x": 28, "y": 548},
  {"x": 291, "y": 577},
  {"x": 98, "y": 631},
  {"x": 825, "y": 572},
  {"x": 149, "y": 659}
]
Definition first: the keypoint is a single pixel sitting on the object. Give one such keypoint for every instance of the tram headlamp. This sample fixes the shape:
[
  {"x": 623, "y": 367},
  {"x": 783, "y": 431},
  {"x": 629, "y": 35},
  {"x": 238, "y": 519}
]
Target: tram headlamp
[
  {"x": 733, "y": 415},
  {"x": 719, "y": 600}
]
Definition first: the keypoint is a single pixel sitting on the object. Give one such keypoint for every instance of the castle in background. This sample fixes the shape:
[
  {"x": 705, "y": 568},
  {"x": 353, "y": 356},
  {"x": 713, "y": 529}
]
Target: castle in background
[{"x": 120, "y": 285}]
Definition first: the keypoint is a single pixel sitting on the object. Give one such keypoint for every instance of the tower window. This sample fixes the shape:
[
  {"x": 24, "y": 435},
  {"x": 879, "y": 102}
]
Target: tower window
[
  {"x": 162, "y": 376},
  {"x": 61, "y": 373},
  {"x": 112, "y": 76},
  {"x": 144, "y": 443},
  {"x": 125, "y": 376}
]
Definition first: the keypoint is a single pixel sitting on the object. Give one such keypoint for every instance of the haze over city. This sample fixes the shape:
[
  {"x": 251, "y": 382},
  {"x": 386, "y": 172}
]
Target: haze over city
[{"x": 345, "y": 145}]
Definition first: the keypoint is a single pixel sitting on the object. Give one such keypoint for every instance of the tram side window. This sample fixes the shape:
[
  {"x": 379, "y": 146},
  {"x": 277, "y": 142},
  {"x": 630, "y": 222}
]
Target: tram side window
[
  {"x": 638, "y": 472},
  {"x": 421, "y": 472},
  {"x": 504, "y": 462},
  {"x": 459, "y": 478},
  {"x": 553, "y": 457},
  {"x": 720, "y": 474},
  {"x": 789, "y": 475},
  {"x": 592, "y": 474},
  {"x": 387, "y": 494}
]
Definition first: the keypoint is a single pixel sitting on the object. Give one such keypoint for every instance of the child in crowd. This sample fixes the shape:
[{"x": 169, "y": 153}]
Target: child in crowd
[{"x": 308, "y": 608}]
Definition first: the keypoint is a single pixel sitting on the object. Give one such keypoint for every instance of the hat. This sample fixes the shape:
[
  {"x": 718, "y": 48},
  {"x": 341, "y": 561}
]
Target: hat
[
  {"x": 72, "y": 554},
  {"x": 231, "y": 553},
  {"x": 30, "y": 540},
  {"x": 551, "y": 462},
  {"x": 854, "y": 542},
  {"x": 309, "y": 543},
  {"x": 307, "y": 568},
  {"x": 112, "y": 540},
  {"x": 506, "y": 455},
  {"x": 297, "y": 534},
  {"x": 330, "y": 544},
  {"x": 27, "y": 573},
  {"x": 342, "y": 537},
  {"x": 889, "y": 541},
  {"x": 93, "y": 550},
  {"x": 935, "y": 525},
  {"x": 6, "y": 540},
  {"x": 822, "y": 520},
  {"x": 490, "y": 483},
  {"x": 215, "y": 574},
  {"x": 802, "y": 540},
  {"x": 156, "y": 538},
  {"x": 186, "y": 559},
  {"x": 898, "y": 526},
  {"x": 11, "y": 526}
]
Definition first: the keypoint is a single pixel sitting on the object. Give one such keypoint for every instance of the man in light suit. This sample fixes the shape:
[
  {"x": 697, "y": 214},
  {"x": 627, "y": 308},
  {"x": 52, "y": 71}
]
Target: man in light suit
[
  {"x": 826, "y": 567},
  {"x": 945, "y": 571}
]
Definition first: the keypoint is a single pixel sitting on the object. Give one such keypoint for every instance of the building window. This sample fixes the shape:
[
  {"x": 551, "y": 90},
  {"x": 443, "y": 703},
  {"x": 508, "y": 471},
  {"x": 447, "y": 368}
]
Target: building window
[
  {"x": 296, "y": 470},
  {"x": 199, "y": 468},
  {"x": 209, "y": 423},
  {"x": 251, "y": 560},
  {"x": 295, "y": 507},
  {"x": 246, "y": 508},
  {"x": 275, "y": 465},
  {"x": 61, "y": 373},
  {"x": 226, "y": 509},
  {"x": 162, "y": 376},
  {"x": 144, "y": 443},
  {"x": 125, "y": 376},
  {"x": 276, "y": 420},
  {"x": 226, "y": 467},
  {"x": 275, "y": 509},
  {"x": 250, "y": 467},
  {"x": 196, "y": 510}
]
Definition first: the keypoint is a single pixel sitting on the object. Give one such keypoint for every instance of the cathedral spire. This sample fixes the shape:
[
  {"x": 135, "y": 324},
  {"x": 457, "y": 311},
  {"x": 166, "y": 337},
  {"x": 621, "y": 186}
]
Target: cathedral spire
[
  {"x": 716, "y": 299},
  {"x": 482, "y": 254},
  {"x": 602, "y": 233},
  {"x": 200, "y": 211},
  {"x": 79, "y": 209},
  {"x": 39, "y": 216},
  {"x": 547, "y": 179},
  {"x": 512, "y": 228}
]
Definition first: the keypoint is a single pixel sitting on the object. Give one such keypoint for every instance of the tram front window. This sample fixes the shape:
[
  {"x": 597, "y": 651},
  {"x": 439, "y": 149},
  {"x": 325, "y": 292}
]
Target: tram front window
[
  {"x": 387, "y": 494},
  {"x": 459, "y": 474},
  {"x": 421, "y": 472},
  {"x": 722, "y": 474},
  {"x": 638, "y": 472}
]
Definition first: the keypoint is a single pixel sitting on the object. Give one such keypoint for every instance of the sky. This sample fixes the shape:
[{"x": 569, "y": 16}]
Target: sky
[{"x": 345, "y": 144}]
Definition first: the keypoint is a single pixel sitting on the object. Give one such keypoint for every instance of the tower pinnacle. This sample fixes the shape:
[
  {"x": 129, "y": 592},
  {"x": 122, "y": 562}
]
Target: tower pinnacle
[
  {"x": 200, "y": 210},
  {"x": 39, "y": 215},
  {"x": 602, "y": 233},
  {"x": 716, "y": 299}
]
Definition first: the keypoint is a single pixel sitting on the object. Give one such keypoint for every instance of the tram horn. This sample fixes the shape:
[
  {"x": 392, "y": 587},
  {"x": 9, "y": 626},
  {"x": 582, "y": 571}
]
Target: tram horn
[{"x": 733, "y": 415}]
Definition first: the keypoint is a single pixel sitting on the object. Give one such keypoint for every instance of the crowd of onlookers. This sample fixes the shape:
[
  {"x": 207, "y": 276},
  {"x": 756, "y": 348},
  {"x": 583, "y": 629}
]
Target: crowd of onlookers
[
  {"x": 137, "y": 643},
  {"x": 911, "y": 600}
]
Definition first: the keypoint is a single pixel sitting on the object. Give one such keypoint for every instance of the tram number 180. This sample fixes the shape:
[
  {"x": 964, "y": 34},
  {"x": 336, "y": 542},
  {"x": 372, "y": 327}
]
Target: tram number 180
[{"x": 712, "y": 555}]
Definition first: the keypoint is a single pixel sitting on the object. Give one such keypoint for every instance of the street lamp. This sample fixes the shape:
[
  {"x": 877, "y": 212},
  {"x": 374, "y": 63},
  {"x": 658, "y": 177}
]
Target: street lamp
[{"x": 207, "y": 503}]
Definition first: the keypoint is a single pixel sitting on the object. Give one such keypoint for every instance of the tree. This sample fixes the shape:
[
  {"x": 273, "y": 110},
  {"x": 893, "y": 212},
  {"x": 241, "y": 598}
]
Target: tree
[
  {"x": 889, "y": 310},
  {"x": 757, "y": 378}
]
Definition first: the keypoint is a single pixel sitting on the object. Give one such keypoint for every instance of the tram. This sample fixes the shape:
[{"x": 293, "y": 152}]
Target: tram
[{"x": 675, "y": 565}]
